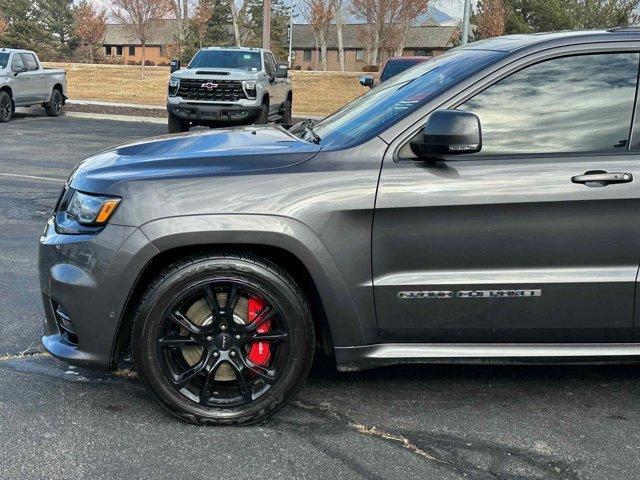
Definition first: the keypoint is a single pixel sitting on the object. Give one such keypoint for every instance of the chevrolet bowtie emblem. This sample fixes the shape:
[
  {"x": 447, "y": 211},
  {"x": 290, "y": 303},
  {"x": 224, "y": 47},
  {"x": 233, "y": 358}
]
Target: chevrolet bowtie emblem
[{"x": 209, "y": 85}]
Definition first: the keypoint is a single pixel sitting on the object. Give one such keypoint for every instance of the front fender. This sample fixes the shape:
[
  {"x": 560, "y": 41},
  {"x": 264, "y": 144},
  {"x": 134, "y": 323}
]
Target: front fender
[{"x": 274, "y": 231}]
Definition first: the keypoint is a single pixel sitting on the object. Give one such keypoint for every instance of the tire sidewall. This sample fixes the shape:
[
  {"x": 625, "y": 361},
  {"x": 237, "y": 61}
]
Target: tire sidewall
[
  {"x": 4, "y": 94},
  {"x": 263, "y": 116},
  {"x": 148, "y": 323}
]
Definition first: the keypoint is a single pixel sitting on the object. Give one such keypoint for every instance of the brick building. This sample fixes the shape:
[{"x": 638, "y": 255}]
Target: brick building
[
  {"x": 122, "y": 46},
  {"x": 428, "y": 40}
]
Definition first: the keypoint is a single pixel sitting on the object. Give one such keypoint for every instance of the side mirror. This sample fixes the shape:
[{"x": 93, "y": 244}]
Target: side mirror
[
  {"x": 282, "y": 70},
  {"x": 17, "y": 72},
  {"x": 175, "y": 65},
  {"x": 448, "y": 132},
  {"x": 367, "y": 81}
]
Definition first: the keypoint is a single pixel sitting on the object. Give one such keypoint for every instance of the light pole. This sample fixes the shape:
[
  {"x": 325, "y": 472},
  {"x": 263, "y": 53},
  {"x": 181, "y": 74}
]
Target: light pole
[
  {"x": 266, "y": 25},
  {"x": 465, "y": 22},
  {"x": 291, "y": 33}
]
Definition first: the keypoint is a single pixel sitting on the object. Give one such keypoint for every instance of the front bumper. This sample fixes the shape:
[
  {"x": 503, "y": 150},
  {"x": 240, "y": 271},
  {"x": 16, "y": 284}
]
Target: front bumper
[
  {"x": 199, "y": 113},
  {"x": 86, "y": 281}
]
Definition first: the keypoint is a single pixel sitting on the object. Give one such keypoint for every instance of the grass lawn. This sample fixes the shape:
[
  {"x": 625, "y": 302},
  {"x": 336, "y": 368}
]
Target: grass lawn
[{"x": 314, "y": 93}]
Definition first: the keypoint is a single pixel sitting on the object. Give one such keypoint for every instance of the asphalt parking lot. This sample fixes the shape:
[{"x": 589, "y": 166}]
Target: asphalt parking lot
[{"x": 429, "y": 422}]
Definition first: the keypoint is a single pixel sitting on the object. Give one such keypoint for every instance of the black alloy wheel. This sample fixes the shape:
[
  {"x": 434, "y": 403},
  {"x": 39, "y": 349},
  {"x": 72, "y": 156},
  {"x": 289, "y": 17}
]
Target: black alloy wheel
[
  {"x": 6, "y": 107},
  {"x": 55, "y": 105},
  {"x": 223, "y": 339},
  {"x": 211, "y": 344}
]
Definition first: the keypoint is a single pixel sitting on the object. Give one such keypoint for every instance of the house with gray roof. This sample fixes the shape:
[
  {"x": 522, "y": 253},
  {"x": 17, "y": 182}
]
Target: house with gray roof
[{"x": 426, "y": 40}]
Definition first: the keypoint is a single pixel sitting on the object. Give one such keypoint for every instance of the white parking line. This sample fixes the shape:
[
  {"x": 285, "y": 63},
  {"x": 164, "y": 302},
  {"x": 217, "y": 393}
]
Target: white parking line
[{"x": 33, "y": 177}]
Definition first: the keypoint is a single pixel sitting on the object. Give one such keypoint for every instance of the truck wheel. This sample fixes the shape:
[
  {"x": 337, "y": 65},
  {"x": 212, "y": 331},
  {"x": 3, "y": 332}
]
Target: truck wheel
[
  {"x": 286, "y": 113},
  {"x": 6, "y": 107},
  {"x": 263, "y": 116},
  {"x": 55, "y": 106},
  {"x": 177, "y": 124},
  {"x": 223, "y": 338}
]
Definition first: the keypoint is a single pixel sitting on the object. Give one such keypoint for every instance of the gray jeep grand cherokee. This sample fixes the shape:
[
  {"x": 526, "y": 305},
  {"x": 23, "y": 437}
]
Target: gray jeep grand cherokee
[{"x": 481, "y": 205}]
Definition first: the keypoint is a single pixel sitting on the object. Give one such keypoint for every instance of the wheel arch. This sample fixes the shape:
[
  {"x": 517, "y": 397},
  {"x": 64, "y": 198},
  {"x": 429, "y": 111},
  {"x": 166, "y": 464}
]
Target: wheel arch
[
  {"x": 7, "y": 88},
  {"x": 334, "y": 314}
]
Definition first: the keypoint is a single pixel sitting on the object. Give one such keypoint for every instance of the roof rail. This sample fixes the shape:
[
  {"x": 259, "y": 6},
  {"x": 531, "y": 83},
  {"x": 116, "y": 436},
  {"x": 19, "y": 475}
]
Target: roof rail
[{"x": 632, "y": 28}]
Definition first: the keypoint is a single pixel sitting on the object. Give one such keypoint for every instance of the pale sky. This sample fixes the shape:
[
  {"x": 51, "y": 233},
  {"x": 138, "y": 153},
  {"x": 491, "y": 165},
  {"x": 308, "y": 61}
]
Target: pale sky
[{"x": 452, "y": 7}]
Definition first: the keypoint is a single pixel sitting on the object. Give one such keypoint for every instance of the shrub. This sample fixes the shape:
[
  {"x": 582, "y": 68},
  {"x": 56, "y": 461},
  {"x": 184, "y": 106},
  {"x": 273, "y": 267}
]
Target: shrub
[
  {"x": 297, "y": 67},
  {"x": 131, "y": 62},
  {"x": 371, "y": 68}
]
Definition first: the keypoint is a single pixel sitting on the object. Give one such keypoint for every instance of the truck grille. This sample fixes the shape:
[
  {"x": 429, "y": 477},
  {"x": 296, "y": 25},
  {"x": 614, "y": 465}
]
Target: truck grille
[{"x": 218, "y": 90}]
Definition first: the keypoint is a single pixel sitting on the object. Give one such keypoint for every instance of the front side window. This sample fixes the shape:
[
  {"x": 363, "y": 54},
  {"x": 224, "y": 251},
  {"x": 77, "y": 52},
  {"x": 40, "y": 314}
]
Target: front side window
[
  {"x": 581, "y": 103},
  {"x": 17, "y": 65}
]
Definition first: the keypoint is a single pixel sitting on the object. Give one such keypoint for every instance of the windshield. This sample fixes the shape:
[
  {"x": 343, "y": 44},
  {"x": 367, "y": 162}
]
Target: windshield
[
  {"x": 390, "y": 101},
  {"x": 394, "y": 67},
  {"x": 4, "y": 59},
  {"x": 249, "y": 61}
]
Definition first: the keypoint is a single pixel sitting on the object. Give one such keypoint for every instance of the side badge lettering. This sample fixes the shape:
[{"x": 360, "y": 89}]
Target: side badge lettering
[{"x": 441, "y": 294}]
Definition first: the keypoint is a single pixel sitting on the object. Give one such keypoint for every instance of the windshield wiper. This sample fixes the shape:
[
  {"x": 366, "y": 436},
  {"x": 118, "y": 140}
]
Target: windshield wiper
[{"x": 314, "y": 136}]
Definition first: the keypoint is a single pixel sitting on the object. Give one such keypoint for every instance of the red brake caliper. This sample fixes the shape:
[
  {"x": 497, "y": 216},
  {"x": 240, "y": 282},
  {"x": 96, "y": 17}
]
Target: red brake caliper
[{"x": 259, "y": 353}]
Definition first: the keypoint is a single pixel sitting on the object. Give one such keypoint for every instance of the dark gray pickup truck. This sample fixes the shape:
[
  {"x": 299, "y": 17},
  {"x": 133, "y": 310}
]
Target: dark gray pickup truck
[{"x": 482, "y": 205}]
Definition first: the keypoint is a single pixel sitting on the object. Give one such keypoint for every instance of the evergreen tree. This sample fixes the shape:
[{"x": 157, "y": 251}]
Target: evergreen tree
[
  {"x": 279, "y": 22},
  {"x": 58, "y": 20},
  {"x": 553, "y": 15},
  {"x": 23, "y": 26}
]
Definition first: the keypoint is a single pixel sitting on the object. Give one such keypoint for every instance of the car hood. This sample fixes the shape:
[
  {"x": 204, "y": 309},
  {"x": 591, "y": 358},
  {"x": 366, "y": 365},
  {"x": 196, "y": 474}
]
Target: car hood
[
  {"x": 215, "y": 74},
  {"x": 217, "y": 152}
]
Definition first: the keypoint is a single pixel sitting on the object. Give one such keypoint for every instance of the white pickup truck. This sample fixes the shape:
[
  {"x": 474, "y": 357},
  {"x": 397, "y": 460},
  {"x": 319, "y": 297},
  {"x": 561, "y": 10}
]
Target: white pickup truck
[{"x": 24, "y": 82}]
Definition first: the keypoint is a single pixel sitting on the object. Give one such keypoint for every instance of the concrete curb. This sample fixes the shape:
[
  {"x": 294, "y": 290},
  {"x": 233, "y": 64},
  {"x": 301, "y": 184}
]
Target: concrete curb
[
  {"x": 134, "y": 110},
  {"x": 119, "y": 118}
]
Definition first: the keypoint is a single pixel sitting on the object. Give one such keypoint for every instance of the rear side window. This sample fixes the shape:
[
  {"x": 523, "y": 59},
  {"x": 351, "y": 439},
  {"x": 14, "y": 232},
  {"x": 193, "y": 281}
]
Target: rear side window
[
  {"x": 29, "y": 61},
  {"x": 581, "y": 103}
]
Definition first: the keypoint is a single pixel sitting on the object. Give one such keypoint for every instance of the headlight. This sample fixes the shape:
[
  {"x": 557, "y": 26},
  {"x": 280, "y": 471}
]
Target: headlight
[
  {"x": 84, "y": 213},
  {"x": 91, "y": 209},
  {"x": 250, "y": 88},
  {"x": 174, "y": 85}
]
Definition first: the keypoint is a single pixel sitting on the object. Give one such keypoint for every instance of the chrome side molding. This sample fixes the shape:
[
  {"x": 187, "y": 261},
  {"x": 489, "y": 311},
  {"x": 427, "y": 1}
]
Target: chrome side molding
[{"x": 371, "y": 356}]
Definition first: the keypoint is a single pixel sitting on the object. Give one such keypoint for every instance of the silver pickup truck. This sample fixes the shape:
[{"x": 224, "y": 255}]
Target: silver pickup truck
[
  {"x": 24, "y": 82},
  {"x": 224, "y": 86}
]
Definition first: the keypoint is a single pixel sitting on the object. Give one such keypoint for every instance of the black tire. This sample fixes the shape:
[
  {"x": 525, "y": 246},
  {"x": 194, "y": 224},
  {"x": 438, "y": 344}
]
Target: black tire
[
  {"x": 177, "y": 124},
  {"x": 286, "y": 113},
  {"x": 6, "y": 106},
  {"x": 55, "y": 107},
  {"x": 181, "y": 279},
  {"x": 263, "y": 116}
]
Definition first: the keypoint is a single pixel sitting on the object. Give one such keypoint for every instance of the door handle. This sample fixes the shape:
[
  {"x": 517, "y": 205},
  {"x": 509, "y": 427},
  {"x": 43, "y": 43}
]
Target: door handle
[{"x": 599, "y": 178}]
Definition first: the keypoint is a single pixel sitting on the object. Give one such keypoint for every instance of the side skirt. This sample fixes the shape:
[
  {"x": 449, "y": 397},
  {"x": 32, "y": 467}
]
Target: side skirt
[{"x": 371, "y": 356}]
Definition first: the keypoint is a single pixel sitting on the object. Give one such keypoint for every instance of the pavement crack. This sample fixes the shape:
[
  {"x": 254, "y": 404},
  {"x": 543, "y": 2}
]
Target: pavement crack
[{"x": 468, "y": 458}]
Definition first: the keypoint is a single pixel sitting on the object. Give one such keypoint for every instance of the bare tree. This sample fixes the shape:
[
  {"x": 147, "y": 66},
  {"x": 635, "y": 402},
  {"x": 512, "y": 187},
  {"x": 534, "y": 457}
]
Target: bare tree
[
  {"x": 90, "y": 26},
  {"x": 338, "y": 7},
  {"x": 139, "y": 15},
  {"x": 4, "y": 25},
  {"x": 179, "y": 9},
  {"x": 319, "y": 14},
  {"x": 491, "y": 18},
  {"x": 409, "y": 11},
  {"x": 202, "y": 17},
  {"x": 240, "y": 21}
]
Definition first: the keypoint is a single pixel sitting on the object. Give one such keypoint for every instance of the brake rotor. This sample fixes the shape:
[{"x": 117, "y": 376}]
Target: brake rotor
[{"x": 200, "y": 314}]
